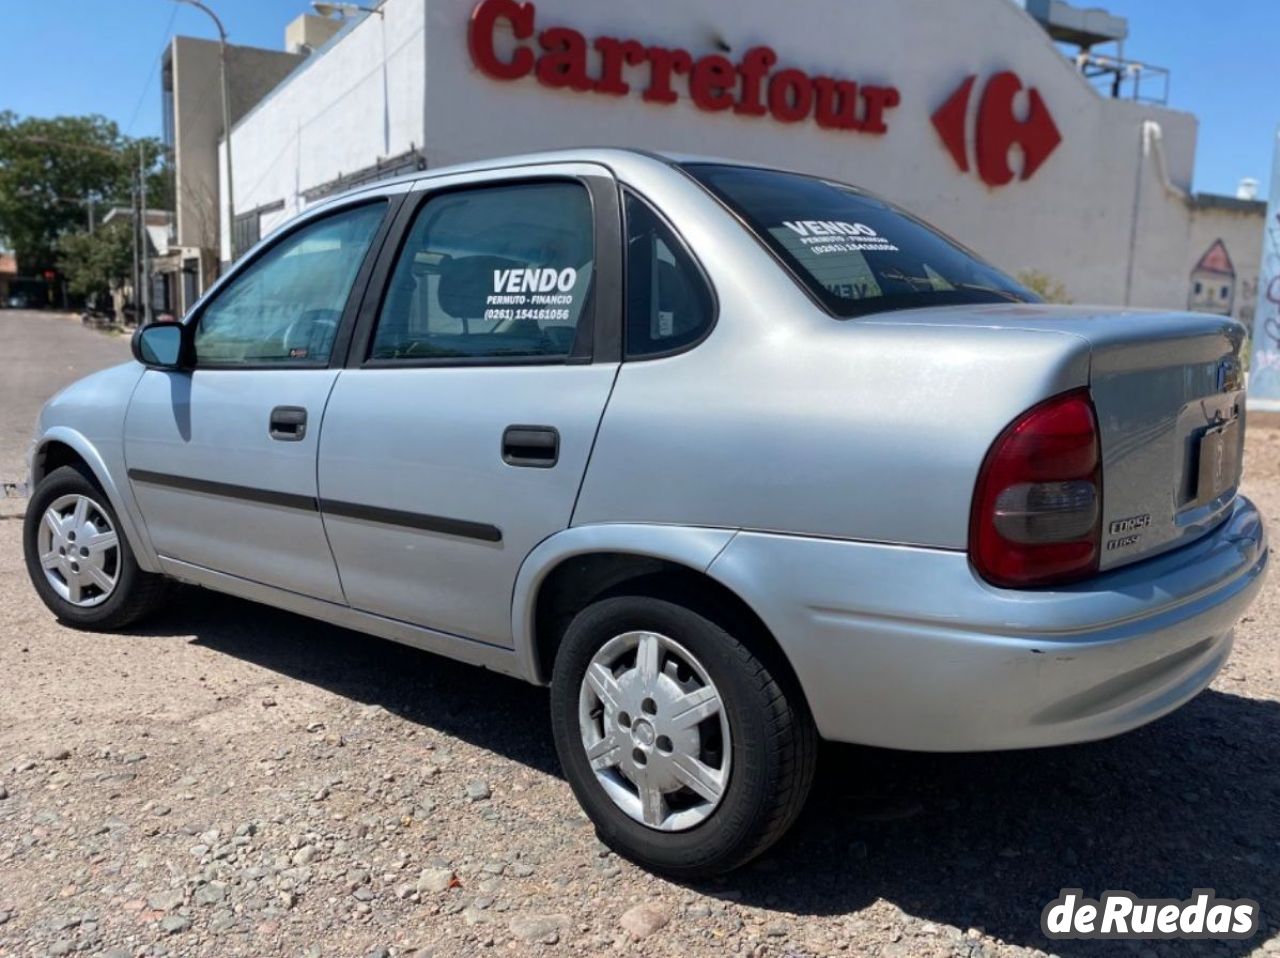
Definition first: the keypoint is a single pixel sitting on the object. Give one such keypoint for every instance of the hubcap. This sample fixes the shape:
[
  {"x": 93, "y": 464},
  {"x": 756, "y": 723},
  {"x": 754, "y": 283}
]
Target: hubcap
[
  {"x": 79, "y": 550},
  {"x": 655, "y": 731}
]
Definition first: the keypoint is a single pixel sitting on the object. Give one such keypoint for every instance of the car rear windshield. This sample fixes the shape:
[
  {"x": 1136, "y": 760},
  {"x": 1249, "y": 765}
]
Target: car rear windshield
[{"x": 856, "y": 254}]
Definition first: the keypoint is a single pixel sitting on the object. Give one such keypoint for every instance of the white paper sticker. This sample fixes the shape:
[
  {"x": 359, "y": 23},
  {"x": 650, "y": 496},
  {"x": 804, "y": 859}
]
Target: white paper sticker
[
  {"x": 821, "y": 237},
  {"x": 538, "y": 293}
]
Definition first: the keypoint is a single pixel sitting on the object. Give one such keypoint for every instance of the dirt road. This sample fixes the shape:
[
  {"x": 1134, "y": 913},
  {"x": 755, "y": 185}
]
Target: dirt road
[
  {"x": 42, "y": 352},
  {"x": 232, "y": 780}
]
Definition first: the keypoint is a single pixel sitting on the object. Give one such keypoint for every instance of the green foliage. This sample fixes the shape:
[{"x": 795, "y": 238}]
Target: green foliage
[
  {"x": 96, "y": 264},
  {"x": 49, "y": 167},
  {"x": 1044, "y": 286}
]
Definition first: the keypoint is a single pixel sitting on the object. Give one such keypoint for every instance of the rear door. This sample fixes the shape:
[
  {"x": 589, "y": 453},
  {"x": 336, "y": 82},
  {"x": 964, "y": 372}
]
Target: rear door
[
  {"x": 222, "y": 457},
  {"x": 457, "y": 438}
]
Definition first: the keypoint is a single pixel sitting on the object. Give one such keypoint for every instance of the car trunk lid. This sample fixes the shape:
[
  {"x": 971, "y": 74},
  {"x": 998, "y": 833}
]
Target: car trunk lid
[{"x": 1169, "y": 393}]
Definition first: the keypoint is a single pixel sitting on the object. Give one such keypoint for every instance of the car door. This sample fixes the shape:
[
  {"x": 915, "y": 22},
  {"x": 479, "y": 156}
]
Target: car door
[
  {"x": 222, "y": 457},
  {"x": 457, "y": 438}
]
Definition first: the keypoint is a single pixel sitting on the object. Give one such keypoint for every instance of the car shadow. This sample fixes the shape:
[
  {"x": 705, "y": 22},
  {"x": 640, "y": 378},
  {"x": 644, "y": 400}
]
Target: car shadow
[{"x": 972, "y": 841}]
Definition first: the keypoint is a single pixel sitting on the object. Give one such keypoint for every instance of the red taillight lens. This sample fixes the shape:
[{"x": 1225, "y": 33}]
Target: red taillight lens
[{"x": 1037, "y": 509}]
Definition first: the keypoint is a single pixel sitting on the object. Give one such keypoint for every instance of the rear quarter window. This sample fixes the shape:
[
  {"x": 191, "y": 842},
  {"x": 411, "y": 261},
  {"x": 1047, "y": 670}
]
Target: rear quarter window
[{"x": 856, "y": 254}]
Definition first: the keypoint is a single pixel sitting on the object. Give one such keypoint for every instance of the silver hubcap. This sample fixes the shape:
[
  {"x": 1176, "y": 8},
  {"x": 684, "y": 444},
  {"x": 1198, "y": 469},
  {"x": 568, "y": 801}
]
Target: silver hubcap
[
  {"x": 79, "y": 550},
  {"x": 655, "y": 731}
]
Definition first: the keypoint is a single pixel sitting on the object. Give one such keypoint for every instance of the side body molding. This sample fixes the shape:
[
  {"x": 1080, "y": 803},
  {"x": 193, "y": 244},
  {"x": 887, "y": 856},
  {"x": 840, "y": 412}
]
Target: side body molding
[
  {"x": 688, "y": 546},
  {"x": 120, "y": 495}
]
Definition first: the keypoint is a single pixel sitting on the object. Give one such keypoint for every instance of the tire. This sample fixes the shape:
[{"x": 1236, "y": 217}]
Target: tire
[
  {"x": 134, "y": 593},
  {"x": 763, "y": 776}
]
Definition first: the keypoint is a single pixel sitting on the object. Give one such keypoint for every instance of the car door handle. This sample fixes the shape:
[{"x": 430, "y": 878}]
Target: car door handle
[
  {"x": 534, "y": 446},
  {"x": 288, "y": 423}
]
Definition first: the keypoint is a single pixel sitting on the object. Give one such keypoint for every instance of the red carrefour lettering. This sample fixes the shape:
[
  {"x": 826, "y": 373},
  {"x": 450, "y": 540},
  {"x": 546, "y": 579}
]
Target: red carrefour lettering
[
  {"x": 715, "y": 83},
  {"x": 710, "y": 82},
  {"x": 755, "y": 66},
  {"x": 835, "y": 103},
  {"x": 565, "y": 62},
  {"x": 790, "y": 96},
  {"x": 662, "y": 64},
  {"x": 480, "y": 37},
  {"x": 875, "y": 100},
  {"x": 614, "y": 55}
]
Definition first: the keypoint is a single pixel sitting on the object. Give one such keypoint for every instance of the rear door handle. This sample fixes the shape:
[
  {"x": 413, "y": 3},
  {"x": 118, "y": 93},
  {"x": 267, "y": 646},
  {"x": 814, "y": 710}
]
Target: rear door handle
[
  {"x": 537, "y": 447},
  {"x": 288, "y": 423}
]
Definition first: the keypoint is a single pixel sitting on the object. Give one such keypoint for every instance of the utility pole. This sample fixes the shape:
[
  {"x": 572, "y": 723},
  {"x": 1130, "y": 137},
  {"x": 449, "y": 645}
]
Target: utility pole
[
  {"x": 226, "y": 121},
  {"x": 137, "y": 281},
  {"x": 142, "y": 223}
]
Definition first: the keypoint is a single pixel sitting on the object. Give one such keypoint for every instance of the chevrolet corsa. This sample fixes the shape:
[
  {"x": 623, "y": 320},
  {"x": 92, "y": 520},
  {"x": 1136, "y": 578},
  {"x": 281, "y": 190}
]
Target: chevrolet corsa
[{"x": 731, "y": 458}]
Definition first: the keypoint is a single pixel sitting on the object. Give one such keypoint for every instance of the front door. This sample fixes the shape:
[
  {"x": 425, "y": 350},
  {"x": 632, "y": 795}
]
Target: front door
[
  {"x": 458, "y": 438},
  {"x": 222, "y": 458}
]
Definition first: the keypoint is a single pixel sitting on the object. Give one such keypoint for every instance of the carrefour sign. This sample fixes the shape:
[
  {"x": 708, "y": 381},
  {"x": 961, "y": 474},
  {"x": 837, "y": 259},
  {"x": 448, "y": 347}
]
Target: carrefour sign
[
  {"x": 751, "y": 87},
  {"x": 758, "y": 86}
]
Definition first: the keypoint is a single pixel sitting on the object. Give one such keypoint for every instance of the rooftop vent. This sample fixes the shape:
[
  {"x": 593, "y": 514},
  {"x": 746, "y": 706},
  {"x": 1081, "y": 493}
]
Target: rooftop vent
[
  {"x": 1079, "y": 26},
  {"x": 307, "y": 32}
]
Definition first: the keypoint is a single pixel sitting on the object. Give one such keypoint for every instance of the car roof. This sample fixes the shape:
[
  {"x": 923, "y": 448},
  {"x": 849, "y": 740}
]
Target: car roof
[{"x": 616, "y": 159}]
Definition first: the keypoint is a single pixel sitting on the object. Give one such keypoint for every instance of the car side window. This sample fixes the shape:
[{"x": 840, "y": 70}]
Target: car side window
[
  {"x": 285, "y": 307},
  {"x": 496, "y": 273},
  {"x": 669, "y": 305}
]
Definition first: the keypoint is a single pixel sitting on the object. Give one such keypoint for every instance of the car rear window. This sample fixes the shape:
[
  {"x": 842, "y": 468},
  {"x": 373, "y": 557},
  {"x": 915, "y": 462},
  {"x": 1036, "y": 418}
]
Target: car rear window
[{"x": 855, "y": 253}]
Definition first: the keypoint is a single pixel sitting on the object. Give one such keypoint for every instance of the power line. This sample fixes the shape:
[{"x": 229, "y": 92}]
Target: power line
[{"x": 146, "y": 85}]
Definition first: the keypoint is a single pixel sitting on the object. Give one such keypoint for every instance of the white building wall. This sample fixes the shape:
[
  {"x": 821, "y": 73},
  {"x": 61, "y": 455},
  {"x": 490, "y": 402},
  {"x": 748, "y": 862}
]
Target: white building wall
[
  {"x": 356, "y": 100},
  {"x": 1073, "y": 220}
]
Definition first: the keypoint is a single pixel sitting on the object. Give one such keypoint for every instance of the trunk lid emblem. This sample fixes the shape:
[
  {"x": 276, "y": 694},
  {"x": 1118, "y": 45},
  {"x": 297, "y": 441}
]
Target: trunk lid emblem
[{"x": 1228, "y": 375}]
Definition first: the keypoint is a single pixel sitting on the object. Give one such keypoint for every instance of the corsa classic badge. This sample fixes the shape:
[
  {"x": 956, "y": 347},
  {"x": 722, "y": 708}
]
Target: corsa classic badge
[
  {"x": 1127, "y": 531},
  {"x": 1230, "y": 376}
]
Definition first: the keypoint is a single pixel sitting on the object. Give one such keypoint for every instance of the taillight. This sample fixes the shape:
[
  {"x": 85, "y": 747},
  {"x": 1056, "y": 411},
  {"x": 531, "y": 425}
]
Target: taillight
[{"x": 1037, "y": 509}]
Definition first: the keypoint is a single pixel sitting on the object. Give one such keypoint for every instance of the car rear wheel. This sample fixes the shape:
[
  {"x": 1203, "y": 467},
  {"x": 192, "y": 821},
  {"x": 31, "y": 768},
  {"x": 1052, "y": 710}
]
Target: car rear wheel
[
  {"x": 78, "y": 560},
  {"x": 687, "y": 752}
]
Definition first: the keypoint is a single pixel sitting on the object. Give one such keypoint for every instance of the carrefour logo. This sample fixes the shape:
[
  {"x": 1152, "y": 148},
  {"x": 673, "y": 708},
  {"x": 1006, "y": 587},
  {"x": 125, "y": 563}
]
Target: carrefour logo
[{"x": 996, "y": 129}]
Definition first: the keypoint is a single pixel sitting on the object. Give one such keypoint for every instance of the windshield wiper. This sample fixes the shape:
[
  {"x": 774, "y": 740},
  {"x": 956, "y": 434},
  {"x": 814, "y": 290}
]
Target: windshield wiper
[{"x": 1002, "y": 293}]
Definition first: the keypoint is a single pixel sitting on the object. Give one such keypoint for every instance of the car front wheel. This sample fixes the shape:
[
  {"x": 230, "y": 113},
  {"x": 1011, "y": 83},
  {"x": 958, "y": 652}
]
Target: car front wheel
[
  {"x": 687, "y": 752},
  {"x": 78, "y": 560}
]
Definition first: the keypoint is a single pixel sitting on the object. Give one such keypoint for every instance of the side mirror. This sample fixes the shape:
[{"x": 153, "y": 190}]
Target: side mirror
[{"x": 163, "y": 346}]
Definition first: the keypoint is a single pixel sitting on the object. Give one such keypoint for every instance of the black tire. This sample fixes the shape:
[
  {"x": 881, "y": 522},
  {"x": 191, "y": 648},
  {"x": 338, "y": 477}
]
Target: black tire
[
  {"x": 774, "y": 742},
  {"x": 136, "y": 594}
]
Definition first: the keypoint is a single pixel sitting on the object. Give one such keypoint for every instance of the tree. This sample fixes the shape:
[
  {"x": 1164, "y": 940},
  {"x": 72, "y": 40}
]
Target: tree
[
  {"x": 1044, "y": 286},
  {"x": 51, "y": 168},
  {"x": 99, "y": 263}
]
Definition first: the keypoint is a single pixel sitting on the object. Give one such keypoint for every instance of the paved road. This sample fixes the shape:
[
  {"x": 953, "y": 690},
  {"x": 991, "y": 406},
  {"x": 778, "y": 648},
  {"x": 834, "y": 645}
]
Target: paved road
[{"x": 42, "y": 352}]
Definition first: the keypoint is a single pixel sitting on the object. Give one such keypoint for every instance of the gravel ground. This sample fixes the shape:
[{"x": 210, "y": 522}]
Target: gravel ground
[{"x": 233, "y": 780}]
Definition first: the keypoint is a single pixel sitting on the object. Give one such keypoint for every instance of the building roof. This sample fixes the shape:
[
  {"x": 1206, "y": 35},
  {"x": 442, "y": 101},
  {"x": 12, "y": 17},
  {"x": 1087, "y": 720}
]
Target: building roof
[{"x": 1233, "y": 203}]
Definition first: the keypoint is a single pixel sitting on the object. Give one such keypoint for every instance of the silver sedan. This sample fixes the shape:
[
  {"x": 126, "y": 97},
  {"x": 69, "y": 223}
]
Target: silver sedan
[{"x": 731, "y": 458}]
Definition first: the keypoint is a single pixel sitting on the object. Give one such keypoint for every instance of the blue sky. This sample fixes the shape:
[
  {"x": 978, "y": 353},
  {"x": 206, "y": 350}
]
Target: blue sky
[{"x": 102, "y": 56}]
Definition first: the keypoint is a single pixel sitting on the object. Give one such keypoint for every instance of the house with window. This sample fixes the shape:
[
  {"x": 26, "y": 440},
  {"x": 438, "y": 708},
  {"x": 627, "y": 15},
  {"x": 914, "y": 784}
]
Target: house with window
[{"x": 1213, "y": 281}]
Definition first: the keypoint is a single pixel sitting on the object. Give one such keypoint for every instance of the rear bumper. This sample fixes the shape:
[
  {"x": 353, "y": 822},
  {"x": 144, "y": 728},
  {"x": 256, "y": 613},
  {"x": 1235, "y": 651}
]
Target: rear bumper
[{"x": 907, "y": 648}]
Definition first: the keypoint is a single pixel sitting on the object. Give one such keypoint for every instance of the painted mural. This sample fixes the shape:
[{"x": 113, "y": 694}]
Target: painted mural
[{"x": 1213, "y": 282}]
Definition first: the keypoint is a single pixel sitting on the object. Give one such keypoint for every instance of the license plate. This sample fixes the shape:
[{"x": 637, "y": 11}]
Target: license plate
[{"x": 1219, "y": 461}]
